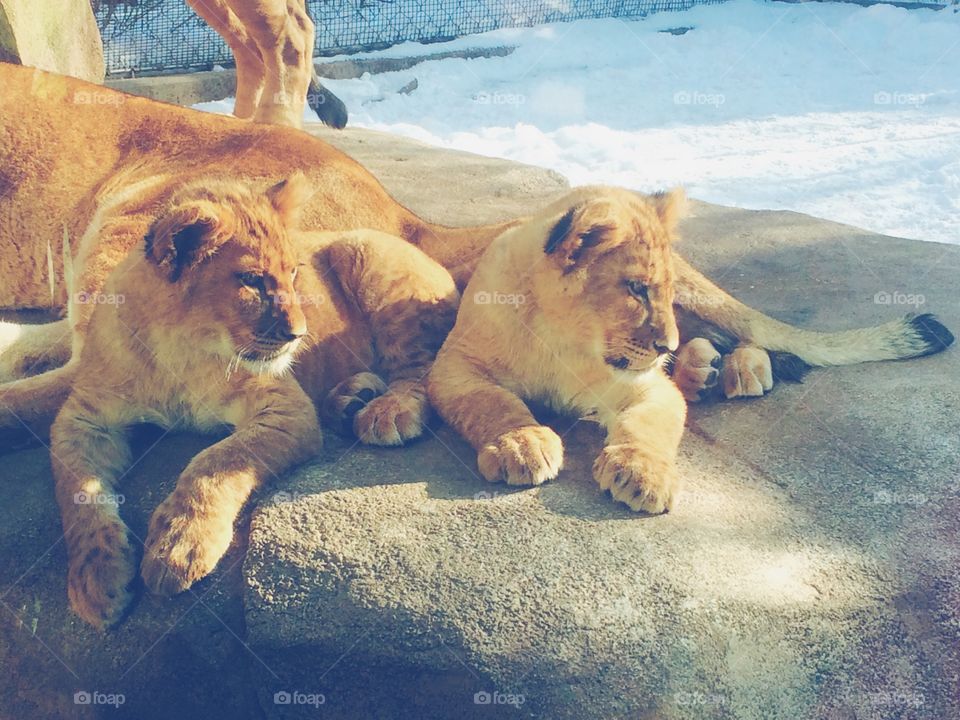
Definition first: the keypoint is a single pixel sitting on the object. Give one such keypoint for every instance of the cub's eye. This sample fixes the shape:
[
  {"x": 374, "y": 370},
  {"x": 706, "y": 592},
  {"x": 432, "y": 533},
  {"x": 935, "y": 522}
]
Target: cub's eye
[
  {"x": 637, "y": 289},
  {"x": 250, "y": 280}
]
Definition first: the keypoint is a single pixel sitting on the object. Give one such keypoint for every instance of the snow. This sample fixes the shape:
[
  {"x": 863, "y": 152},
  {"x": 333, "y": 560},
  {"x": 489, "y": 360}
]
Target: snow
[{"x": 836, "y": 110}]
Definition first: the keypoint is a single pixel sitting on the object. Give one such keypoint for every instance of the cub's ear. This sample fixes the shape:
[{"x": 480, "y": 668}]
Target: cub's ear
[
  {"x": 671, "y": 208},
  {"x": 581, "y": 228},
  {"x": 186, "y": 236},
  {"x": 289, "y": 195}
]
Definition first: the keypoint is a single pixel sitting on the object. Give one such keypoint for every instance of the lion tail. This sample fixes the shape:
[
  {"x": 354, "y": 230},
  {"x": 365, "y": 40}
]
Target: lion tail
[{"x": 911, "y": 336}]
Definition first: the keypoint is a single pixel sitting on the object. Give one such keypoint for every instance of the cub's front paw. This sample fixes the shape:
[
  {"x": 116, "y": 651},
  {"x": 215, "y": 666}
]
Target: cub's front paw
[
  {"x": 100, "y": 578},
  {"x": 696, "y": 369},
  {"x": 182, "y": 548},
  {"x": 746, "y": 372},
  {"x": 525, "y": 456},
  {"x": 637, "y": 477},
  {"x": 392, "y": 419}
]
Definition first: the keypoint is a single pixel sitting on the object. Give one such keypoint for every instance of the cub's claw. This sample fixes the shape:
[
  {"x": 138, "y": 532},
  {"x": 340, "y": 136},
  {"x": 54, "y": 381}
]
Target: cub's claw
[
  {"x": 528, "y": 455},
  {"x": 182, "y": 548},
  {"x": 638, "y": 478}
]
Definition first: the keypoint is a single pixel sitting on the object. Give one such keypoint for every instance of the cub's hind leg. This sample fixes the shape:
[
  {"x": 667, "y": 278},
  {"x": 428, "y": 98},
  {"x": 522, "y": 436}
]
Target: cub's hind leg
[{"x": 411, "y": 303}]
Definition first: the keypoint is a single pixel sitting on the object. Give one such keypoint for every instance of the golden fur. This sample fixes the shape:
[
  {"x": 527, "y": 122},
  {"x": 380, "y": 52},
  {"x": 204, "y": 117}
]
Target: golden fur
[
  {"x": 82, "y": 184},
  {"x": 272, "y": 44},
  {"x": 573, "y": 308},
  {"x": 197, "y": 324}
]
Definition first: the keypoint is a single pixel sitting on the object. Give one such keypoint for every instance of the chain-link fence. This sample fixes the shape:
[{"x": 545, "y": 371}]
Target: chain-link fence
[{"x": 155, "y": 36}]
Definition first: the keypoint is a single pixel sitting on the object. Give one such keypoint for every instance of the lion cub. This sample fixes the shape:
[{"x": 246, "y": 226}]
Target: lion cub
[
  {"x": 211, "y": 309},
  {"x": 574, "y": 308}
]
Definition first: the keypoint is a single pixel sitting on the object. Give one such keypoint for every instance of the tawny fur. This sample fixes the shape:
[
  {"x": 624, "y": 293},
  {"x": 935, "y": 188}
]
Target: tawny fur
[
  {"x": 573, "y": 308},
  {"x": 208, "y": 313},
  {"x": 272, "y": 44}
]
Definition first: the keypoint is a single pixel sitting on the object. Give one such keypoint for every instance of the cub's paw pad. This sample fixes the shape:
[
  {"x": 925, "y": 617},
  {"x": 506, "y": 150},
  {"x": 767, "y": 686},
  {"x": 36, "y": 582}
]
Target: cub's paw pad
[
  {"x": 696, "y": 369},
  {"x": 525, "y": 456},
  {"x": 636, "y": 477},
  {"x": 349, "y": 397},
  {"x": 182, "y": 549},
  {"x": 746, "y": 372},
  {"x": 391, "y": 419},
  {"x": 100, "y": 582}
]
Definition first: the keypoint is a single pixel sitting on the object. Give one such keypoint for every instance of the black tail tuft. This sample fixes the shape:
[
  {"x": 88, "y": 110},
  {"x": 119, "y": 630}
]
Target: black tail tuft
[
  {"x": 787, "y": 366},
  {"x": 932, "y": 333}
]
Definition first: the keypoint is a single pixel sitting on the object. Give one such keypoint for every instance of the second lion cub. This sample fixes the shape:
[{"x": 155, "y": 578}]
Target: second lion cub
[{"x": 574, "y": 308}]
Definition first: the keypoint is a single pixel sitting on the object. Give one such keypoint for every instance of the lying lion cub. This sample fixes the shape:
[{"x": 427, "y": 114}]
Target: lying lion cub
[
  {"x": 211, "y": 309},
  {"x": 575, "y": 308}
]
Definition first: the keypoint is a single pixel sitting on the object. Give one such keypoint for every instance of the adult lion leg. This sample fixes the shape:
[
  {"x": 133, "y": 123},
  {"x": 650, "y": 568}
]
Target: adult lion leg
[
  {"x": 638, "y": 463},
  {"x": 251, "y": 74},
  {"x": 192, "y": 528},
  {"x": 32, "y": 349},
  {"x": 512, "y": 446},
  {"x": 283, "y": 34},
  {"x": 411, "y": 302},
  {"x": 88, "y": 455}
]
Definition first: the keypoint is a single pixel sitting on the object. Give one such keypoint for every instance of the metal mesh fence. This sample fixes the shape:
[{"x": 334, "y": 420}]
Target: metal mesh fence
[{"x": 156, "y": 36}]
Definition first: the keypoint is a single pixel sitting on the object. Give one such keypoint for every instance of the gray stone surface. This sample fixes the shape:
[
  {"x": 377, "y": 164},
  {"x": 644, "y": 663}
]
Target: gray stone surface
[
  {"x": 60, "y": 36},
  {"x": 809, "y": 571}
]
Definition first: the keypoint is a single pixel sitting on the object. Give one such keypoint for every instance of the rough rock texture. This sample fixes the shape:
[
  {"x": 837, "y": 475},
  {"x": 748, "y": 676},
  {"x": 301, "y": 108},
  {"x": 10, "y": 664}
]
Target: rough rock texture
[
  {"x": 809, "y": 571},
  {"x": 57, "y": 36}
]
